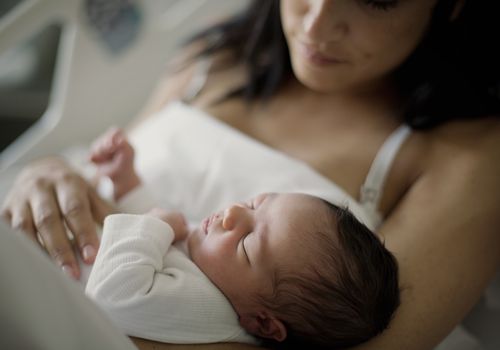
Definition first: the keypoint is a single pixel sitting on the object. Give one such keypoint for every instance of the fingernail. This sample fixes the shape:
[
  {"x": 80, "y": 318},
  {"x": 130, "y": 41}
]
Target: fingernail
[
  {"x": 89, "y": 253},
  {"x": 68, "y": 271}
]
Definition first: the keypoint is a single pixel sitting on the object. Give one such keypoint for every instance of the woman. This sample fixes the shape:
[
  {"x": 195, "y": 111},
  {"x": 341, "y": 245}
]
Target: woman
[{"x": 338, "y": 78}]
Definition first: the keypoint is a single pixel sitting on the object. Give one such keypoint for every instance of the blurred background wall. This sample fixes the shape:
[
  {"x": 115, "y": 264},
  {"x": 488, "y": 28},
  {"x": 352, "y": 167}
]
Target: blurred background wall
[{"x": 71, "y": 68}]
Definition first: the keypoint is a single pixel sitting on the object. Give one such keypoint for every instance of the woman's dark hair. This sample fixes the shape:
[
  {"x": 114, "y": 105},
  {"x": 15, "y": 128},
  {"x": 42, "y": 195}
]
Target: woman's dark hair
[{"x": 453, "y": 73}]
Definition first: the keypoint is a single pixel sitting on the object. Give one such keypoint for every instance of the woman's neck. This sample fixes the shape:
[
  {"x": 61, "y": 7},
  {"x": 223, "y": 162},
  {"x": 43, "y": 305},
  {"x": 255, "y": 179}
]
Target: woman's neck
[
  {"x": 379, "y": 90},
  {"x": 376, "y": 99}
]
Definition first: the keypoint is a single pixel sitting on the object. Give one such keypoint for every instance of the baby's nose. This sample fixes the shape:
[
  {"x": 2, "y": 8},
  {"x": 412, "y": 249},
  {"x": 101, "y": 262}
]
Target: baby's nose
[{"x": 234, "y": 216}]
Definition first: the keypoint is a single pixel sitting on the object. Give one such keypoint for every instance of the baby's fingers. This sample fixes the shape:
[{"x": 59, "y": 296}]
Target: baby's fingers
[{"x": 105, "y": 147}]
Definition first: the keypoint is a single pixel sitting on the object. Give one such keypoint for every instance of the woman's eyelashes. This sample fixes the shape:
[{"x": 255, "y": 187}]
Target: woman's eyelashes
[{"x": 383, "y": 5}]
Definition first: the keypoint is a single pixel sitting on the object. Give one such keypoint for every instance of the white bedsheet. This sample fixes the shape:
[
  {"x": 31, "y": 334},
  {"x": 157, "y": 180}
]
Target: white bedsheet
[{"x": 41, "y": 309}]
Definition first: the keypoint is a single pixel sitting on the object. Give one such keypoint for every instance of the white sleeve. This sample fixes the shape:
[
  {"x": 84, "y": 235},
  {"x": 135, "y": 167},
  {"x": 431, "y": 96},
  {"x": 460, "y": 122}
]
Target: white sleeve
[{"x": 131, "y": 253}]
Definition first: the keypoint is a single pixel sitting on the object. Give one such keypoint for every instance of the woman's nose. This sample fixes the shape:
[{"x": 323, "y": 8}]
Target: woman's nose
[
  {"x": 236, "y": 218},
  {"x": 325, "y": 21}
]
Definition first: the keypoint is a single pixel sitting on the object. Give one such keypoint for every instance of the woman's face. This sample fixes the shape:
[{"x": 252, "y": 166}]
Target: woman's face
[{"x": 343, "y": 45}]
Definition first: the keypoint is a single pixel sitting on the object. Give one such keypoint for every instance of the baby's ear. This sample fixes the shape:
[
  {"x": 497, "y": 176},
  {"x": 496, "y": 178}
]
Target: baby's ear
[{"x": 264, "y": 325}]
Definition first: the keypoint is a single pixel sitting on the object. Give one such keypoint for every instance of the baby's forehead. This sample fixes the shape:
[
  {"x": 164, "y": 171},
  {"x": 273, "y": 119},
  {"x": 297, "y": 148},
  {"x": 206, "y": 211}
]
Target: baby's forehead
[
  {"x": 314, "y": 210},
  {"x": 300, "y": 200},
  {"x": 307, "y": 228}
]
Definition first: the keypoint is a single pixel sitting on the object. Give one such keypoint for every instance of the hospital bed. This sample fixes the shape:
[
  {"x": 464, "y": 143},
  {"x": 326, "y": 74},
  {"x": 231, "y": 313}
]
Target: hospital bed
[
  {"x": 101, "y": 78},
  {"x": 109, "y": 55}
]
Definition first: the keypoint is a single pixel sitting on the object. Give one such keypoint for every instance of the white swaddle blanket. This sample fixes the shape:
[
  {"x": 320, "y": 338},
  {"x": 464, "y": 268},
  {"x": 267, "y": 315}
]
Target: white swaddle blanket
[{"x": 204, "y": 165}]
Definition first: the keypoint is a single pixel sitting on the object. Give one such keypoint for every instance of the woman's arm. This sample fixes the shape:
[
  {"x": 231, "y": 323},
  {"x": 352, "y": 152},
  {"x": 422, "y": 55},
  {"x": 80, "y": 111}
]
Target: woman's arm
[
  {"x": 144, "y": 344},
  {"x": 445, "y": 235},
  {"x": 171, "y": 86}
]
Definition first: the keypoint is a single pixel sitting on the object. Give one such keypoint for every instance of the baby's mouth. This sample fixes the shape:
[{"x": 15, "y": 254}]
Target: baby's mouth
[
  {"x": 204, "y": 225},
  {"x": 208, "y": 221}
]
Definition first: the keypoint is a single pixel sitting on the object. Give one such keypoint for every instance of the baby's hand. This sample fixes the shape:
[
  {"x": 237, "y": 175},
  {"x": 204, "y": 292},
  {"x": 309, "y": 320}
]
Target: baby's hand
[
  {"x": 114, "y": 157},
  {"x": 175, "y": 219}
]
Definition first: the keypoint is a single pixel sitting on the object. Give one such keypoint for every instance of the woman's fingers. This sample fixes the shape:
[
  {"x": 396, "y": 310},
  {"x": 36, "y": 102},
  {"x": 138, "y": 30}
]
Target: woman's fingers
[
  {"x": 49, "y": 199},
  {"x": 6, "y": 214},
  {"x": 18, "y": 215},
  {"x": 73, "y": 201},
  {"x": 49, "y": 224},
  {"x": 22, "y": 220}
]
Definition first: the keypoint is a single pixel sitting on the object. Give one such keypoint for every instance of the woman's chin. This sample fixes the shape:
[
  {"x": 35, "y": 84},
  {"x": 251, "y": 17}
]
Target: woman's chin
[{"x": 321, "y": 83}]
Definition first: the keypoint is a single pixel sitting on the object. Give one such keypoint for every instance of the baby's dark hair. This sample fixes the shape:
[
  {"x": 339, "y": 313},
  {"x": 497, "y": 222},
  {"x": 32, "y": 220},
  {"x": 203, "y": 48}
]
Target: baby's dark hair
[{"x": 346, "y": 294}]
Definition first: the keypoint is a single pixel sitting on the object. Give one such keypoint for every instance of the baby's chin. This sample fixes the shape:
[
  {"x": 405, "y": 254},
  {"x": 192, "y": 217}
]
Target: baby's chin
[{"x": 193, "y": 239}]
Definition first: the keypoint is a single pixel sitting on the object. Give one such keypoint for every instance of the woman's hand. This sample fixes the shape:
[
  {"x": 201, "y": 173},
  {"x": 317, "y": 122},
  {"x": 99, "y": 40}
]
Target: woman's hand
[{"x": 47, "y": 199}]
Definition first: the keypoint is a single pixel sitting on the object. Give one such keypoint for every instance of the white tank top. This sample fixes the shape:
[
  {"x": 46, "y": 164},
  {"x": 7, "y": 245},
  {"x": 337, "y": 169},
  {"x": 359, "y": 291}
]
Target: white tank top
[
  {"x": 198, "y": 164},
  {"x": 372, "y": 189}
]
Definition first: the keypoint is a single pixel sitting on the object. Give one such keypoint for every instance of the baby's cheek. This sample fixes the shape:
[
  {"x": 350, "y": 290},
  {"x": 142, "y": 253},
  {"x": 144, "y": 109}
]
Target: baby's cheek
[
  {"x": 211, "y": 252},
  {"x": 210, "y": 257}
]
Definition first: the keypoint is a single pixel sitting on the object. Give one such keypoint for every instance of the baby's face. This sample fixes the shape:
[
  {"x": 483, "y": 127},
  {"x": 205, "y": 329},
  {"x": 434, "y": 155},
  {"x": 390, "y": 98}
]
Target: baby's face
[{"x": 240, "y": 248}]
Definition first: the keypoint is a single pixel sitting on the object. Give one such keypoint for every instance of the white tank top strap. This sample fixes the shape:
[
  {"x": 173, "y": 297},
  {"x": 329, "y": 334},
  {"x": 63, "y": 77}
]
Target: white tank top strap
[
  {"x": 373, "y": 187},
  {"x": 199, "y": 79}
]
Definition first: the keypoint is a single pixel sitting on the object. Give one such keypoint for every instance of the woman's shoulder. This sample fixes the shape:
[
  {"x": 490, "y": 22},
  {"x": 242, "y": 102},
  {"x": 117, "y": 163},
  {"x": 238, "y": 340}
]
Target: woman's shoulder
[
  {"x": 479, "y": 137},
  {"x": 463, "y": 156},
  {"x": 180, "y": 73},
  {"x": 174, "y": 81},
  {"x": 460, "y": 157}
]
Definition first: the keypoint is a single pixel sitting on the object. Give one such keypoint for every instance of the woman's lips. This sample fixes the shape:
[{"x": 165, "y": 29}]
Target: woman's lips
[{"x": 318, "y": 58}]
